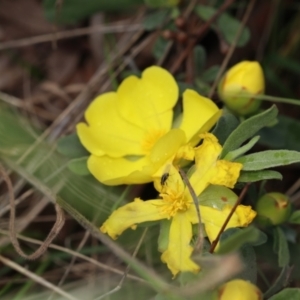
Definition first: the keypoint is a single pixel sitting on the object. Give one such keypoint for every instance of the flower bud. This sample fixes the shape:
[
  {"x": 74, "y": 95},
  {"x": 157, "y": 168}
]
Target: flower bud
[
  {"x": 273, "y": 209},
  {"x": 238, "y": 86},
  {"x": 238, "y": 289}
]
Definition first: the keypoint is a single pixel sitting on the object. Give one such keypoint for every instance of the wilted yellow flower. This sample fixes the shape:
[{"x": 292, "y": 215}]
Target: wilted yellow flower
[
  {"x": 176, "y": 205},
  {"x": 238, "y": 86},
  {"x": 129, "y": 132},
  {"x": 239, "y": 289}
]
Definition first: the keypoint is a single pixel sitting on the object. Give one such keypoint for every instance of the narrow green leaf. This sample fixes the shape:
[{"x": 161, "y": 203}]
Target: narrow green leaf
[
  {"x": 163, "y": 238},
  {"x": 79, "y": 166},
  {"x": 268, "y": 159},
  {"x": 226, "y": 124},
  {"x": 72, "y": 11},
  {"x": 279, "y": 283},
  {"x": 161, "y": 3},
  {"x": 71, "y": 147},
  {"x": 210, "y": 74},
  {"x": 232, "y": 155},
  {"x": 234, "y": 238},
  {"x": 226, "y": 24},
  {"x": 248, "y": 128},
  {"x": 248, "y": 256},
  {"x": 156, "y": 19},
  {"x": 287, "y": 294},
  {"x": 159, "y": 47},
  {"x": 295, "y": 217},
  {"x": 281, "y": 247},
  {"x": 253, "y": 176},
  {"x": 199, "y": 59}
]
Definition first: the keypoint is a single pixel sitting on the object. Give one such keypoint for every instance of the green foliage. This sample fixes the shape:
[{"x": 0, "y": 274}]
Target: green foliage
[
  {"x": 217, "y": 196},
  {"x": 161, "y": 3},
  {"x": 79, "y": 166},
  {"x": 289, "y": 293},
  {"x": 72, "y": 11},
  {"x": 295, "y": 217},
  {"x": 268, "y": 159},
  {"x": 248, "y": 128},
  {"x": 226, "y": 25},
  {"x": 280, "y": 247},
  {"x": 71, "y": 147},
  {"x": 155, "y": 19},
  {"x": 226, "y": 124},
  {"x": 284, "y": 135},
  {"x": 234, "y": 238},
  {"x": 232, "y": 155},
  {"x": 159, "y": 47},
  {"x": 199, "y": 59},
  {"x": 254, "y": 176},
  {"x": 279, "y": 283}
]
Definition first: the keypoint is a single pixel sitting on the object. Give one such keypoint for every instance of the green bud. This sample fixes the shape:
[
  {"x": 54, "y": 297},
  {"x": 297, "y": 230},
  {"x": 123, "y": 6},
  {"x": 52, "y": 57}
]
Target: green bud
[{"x": 273, "y": 209}]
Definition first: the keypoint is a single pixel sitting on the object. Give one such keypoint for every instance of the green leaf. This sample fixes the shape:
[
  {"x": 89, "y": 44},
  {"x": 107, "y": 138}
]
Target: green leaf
[
  {"x": 159, "y": 47},
  {"x": 232, "y": 155},
  {"x": 281, "y": 247},
  {"x": 199, "y": 59},
  {"x": 234, "y": 238},
  {"x": 253, "y": 176},
  {"x": 229, "y": 26},
  {"x": 72, "y": 11},
  {"x": 156, "y": 19},
  {"x": 79, "y": 166},
  {"x": 217, "y": 196},
  {"x": 161, "y": 3},
  {"x": 226, "y": 25},
  {"x": 295, "y": 217},
  {"x": 248, "y": 256},
  {"x": 276, "y": 137},
  {"x": 226, "y": 124},
  {"x": 210, "y": 74},
  {"x": 268, "y": 159},
  {"x": 248, "y": 128},
  {"x": 279, "y": 283},
  {"x": 71, "y": 147},
  {"x": 287, "y": 294}
]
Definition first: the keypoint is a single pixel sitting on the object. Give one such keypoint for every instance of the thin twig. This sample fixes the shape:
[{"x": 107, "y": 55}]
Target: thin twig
[
  {"x": 232, "y": 48},
  {"x": 69, "y": 34},
  {"x": 200, "y": 238},
  {"x": 238, "y": 202}
]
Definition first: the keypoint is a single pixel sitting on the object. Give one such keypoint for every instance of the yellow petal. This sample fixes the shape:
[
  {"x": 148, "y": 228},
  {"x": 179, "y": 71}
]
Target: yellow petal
[
  {"x": 116, "y": 171},
  {"x": 226, "y": 173},
  {"x": 210, "y": 170},
  {"x": 177, "y": 255},
  {"x": 239, "y": 289},
  {"x": 131, "y": 214},
  {"x": 197, "y": 112},
  {"x": 214, "y": 219},
  {"x": 107, "y": 132},
  {"x": 148, "y": 102}
]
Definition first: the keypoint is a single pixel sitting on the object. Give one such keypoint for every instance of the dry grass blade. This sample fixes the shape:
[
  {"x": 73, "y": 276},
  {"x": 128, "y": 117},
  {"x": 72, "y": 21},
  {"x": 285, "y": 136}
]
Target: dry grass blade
[
  {"x": 36, "y": 278},
  {"x": 60, "y": 220}
]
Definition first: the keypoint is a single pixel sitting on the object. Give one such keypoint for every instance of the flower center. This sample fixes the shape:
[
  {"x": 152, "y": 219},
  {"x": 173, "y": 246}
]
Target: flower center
[
  {"x": 151, "y": 138},
  {"x": 174, "y": 201}
]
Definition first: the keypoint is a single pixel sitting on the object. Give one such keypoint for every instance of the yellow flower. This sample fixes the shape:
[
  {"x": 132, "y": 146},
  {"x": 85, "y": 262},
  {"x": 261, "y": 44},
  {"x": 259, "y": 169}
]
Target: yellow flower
[
  {"x": 239, "y": 289},
  {"x": 176, "y": 205},
  {"x": 129, "y": 132},
  {"x": 238, "y": 86}
]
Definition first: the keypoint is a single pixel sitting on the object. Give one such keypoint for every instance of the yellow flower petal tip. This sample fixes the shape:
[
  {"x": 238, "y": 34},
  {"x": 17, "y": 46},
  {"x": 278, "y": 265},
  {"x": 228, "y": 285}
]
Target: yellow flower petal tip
[
  {"x": 239, "y": 289},
  {"x": 239, "y": 86}
]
